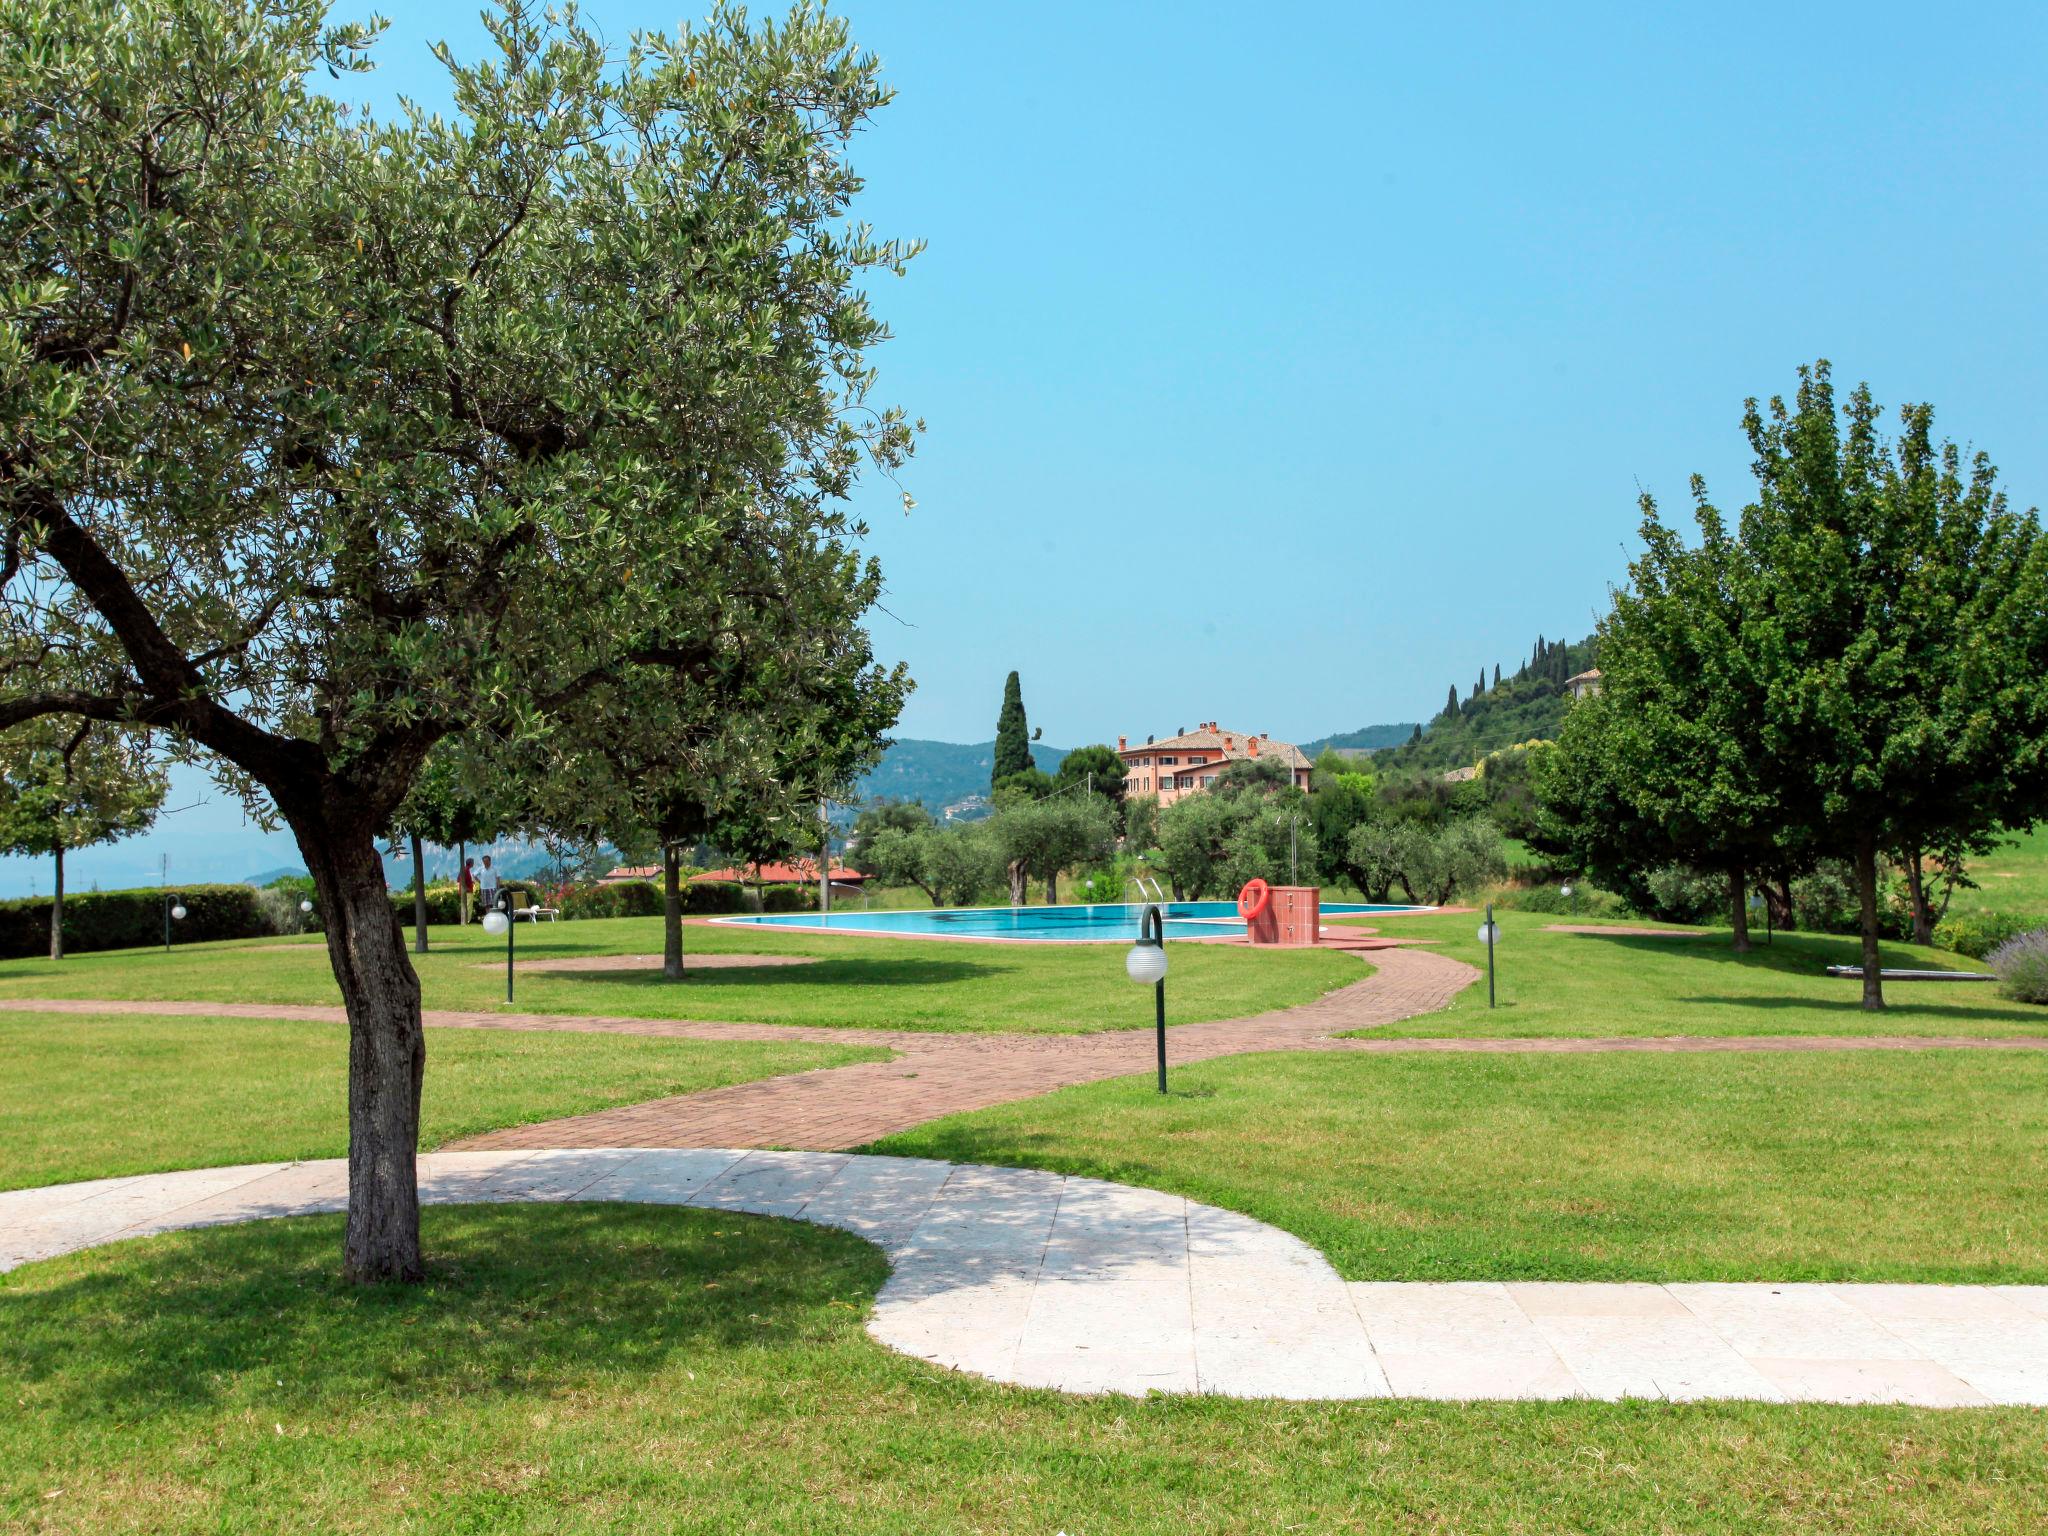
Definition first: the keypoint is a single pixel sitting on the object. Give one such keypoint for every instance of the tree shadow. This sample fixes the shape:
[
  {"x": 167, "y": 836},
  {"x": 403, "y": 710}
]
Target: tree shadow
[{"x": 518, "y": 1298}]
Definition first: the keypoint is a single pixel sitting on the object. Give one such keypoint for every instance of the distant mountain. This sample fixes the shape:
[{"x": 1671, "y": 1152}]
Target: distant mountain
[
  {"x": 1529, "y": 706},
  {"x": 1370, "y": 738},
  {"x": 284, "y": 872},
  {"x": 940, "y": 773}
]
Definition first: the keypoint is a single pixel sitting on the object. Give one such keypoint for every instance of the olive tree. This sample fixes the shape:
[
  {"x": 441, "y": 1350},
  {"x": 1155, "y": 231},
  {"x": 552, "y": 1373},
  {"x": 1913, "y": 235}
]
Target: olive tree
[{"x": 324, "y": 438}]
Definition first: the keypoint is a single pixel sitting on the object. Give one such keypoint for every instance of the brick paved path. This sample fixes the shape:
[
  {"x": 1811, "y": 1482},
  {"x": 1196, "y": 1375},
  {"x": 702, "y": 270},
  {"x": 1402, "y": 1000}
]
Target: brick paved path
[{"x": 934, "y": 1074}]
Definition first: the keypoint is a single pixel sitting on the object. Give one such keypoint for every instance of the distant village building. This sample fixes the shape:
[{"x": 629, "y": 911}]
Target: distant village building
[
  {"x": 973, "y": 808},
  {"x": 1461, "y": 775},
  {"x": 1188, "y": 763},
  {"x": 1584, "y": 683},
  {"x": 798, "y": 873}
]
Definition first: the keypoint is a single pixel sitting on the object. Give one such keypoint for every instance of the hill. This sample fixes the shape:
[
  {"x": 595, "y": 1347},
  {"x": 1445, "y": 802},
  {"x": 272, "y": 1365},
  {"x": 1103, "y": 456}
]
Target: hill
[
  {"x": 941, "y": 773},
  {"x": 1529, "y": 706},
  {"x": 1368, "y": 738}
]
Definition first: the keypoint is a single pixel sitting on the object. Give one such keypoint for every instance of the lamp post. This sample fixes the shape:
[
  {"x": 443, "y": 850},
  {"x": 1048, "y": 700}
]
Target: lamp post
[
  {"x": 172, "y": 909},
  {"x": 499, "y": 920},
  {"x": 1488, "y": 932},
  {"x": 1571, "y": 896},
  {"x": 1757, "y": 903},
  {"x": 1147, "y": 962}
]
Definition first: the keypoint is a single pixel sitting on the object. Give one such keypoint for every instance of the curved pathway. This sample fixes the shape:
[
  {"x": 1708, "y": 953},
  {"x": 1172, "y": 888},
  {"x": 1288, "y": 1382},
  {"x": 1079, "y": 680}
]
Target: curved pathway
[{"x": 1043, "y": 1280}]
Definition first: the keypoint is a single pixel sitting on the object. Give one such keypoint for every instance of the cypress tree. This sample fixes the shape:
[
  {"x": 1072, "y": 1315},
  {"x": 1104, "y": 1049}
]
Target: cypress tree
[
  {"x": 1417, "y": 736},
  {"x": 1013, "y": 736},
  {"x": 1496, "y": 674},
  {"x": 1451, "y": 703}
]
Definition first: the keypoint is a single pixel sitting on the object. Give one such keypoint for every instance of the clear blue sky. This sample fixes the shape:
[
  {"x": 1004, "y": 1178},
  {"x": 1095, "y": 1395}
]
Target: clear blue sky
[{"x": 1283, "y": 364}]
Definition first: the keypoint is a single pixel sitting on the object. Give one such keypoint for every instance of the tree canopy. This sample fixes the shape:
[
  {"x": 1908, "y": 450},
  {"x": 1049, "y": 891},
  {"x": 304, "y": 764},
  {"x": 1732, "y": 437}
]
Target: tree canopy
[
  {"x": 1013, "y": 735},
  {"x": 326, "y": 438}
]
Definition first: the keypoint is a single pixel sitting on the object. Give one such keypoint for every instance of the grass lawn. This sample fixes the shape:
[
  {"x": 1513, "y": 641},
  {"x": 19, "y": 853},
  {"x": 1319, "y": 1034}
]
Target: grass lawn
[
  {"x": 1821, "y": 1166},
  {"x": 1590, "y": 984},
  {"x": 89, "y": 1098},
  {"x": 575, "y": 1370},
  {"x": 2013, "y": 879},
  {"x": 858, "y": 982}
]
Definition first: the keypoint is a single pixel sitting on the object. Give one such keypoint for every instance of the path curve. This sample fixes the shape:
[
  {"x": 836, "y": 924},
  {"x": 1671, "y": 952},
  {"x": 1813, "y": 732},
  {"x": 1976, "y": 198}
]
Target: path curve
[{"x": 1038, "y": 1279}]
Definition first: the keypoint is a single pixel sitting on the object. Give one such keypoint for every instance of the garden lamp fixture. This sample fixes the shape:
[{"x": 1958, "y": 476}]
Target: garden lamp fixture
[
  {"x": 1566, "y": 892},
  {"x": 499, "y": 920},
  {"x": 1489, "y": 934},
  {"x": 1758, "y": 904},
  {"x": 172, "y": 909},
  {"x": 1147, "y": 963},
  {"x": 306, "y": 905}
]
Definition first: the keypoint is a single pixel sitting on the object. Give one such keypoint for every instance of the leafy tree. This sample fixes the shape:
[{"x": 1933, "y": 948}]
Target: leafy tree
[
  {"x": 328, "y": 439},
  {"x": 1194, "y": 834},
  {"x": 1141, "y": 822},
  {"x": 1023, "y": 785},
  {"x": 1038, "y": 839},
  {"x": 1429, "y": 865},
  {"x": 463, "y": 794},
  {"x": 1903, "y": 609},
  {"x": 1013, "y": 736},
  {"x": 889, "y": 816},
  {"x": 1342, "y": 800},
  {"x": 67, "y": 785},
  {"x": 954, "y": 866},
  {"x": 1271, "y": 838},
  {"x": 1095, "y": 764}
]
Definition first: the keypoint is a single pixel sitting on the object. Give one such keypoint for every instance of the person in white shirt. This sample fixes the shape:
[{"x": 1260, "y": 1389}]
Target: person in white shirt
[{"x": 487, "y": 887}]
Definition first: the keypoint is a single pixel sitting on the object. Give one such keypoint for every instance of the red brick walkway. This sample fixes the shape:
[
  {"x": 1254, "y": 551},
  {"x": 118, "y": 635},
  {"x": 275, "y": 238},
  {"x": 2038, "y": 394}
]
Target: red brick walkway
[{"x": 933, "y": 1074}]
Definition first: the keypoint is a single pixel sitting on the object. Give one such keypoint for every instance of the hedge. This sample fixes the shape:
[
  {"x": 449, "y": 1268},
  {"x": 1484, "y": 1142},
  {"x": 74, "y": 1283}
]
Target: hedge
[{"x": 96, "y": 920}]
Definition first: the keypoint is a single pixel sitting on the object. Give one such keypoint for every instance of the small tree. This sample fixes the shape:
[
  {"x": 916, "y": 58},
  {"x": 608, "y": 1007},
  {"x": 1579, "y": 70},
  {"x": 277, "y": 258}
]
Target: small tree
[
  {"x": 1095, "y": 767},
  {"x": 1013, "y": 735},
  {"x": 71, "y": 786},
  {"x": 1040, "y": 838}
]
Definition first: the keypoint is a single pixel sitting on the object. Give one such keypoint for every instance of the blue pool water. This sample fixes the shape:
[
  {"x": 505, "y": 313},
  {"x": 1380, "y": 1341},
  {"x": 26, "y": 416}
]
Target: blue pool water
[{"x": 1101, "y": 923}]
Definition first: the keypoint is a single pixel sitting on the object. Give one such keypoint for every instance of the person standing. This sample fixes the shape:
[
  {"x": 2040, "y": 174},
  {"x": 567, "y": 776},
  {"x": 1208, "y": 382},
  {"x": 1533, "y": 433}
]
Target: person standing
[
  {"x": 487, "y": 885},
  {"x": 465, "y": 882}
]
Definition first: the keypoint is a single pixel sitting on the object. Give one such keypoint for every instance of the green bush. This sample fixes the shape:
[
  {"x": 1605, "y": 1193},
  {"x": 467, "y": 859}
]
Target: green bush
[
  {"x": 713, "y": 897},
  {"x": 1977, "y": 934},
  {"x": 625, "y": 898},
  {"x": 2022, "y": 967},
  {"x": 789, "y": 898},
  {"x": 1585, "y": 901},
  {"x": 1682, "y": 894},
  {"x": 96, "y": 920},
  {"x": 444, "y": 903}
]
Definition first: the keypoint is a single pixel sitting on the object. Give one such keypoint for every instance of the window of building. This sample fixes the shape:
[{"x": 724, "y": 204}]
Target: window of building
[{"x": 1168, "y": 762}]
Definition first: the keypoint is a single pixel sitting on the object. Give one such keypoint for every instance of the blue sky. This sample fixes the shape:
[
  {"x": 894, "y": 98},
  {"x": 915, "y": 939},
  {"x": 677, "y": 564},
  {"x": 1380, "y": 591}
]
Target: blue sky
[{"x": 1283, "y": 364}]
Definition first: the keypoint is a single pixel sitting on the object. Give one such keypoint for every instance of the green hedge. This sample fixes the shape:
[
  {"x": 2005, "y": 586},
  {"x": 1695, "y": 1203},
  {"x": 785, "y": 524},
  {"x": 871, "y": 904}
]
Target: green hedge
[
  {"x": 1976, "y": 934},
  {"x": 703, "y": 898},
  {"x": 130, "y": 919},
  {"x": 626, "y": 898}
]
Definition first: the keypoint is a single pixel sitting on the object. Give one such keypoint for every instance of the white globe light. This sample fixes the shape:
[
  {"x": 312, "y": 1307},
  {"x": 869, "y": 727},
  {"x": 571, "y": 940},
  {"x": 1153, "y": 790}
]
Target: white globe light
[
  {"x": 496, "y": 923},
  {"x": 306, "y": 906},
  {"x": 1489, "y": 933},
  {"x": 178, "y": 913},
  {"x": 1565, "y": 891},
  {"x": 1146, "y": 963}
]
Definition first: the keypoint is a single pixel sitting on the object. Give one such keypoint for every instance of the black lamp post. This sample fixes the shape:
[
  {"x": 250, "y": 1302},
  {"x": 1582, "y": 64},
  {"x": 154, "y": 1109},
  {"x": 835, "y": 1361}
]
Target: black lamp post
[
  {"x": 1488, "y": 932},
  {"x": 1147, "y": 962},
  {"x": 499, "y": 920},
  {"x": 172, "y": 909}
]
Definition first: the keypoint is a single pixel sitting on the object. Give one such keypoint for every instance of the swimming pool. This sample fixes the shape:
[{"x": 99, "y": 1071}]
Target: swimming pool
[{"x": 1103, "y": 922}]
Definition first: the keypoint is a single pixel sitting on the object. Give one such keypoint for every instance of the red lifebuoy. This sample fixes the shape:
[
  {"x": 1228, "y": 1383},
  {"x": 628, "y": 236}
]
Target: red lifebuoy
[{"x": 1253, "y": 899}]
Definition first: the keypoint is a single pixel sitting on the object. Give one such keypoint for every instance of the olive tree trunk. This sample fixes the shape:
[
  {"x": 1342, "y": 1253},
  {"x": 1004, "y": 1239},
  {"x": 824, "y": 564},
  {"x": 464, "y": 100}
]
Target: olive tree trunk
[
  {"x": 1866, "y": 895},
  {"x": 57, "y": 906},
  {"x": 1018, "y": 876},
  {"x": 671, "y": 912},
  {"x": 1738, "y": 908},
  {"x": 1923, "y": 909},
  {"x": 387, "y": 1050}
]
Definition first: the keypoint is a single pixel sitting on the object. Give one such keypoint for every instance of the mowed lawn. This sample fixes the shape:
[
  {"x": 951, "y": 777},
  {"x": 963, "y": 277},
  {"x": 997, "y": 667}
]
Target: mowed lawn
[
  {"x": 573, "y": 1370},
  {"x": 1550, "y": 983},
  {"x": 856, "y": 982},
  {"x": 2012, "y": 878},
  {"x": 1834, "y": 1165},
  {"x": 94, "y": 1097}
]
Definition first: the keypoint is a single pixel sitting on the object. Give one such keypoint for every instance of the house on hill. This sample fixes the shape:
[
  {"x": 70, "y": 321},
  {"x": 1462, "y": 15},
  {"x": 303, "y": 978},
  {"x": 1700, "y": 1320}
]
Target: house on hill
[
  {"x": 1583, "y": 683},
  {"x": 1188, "y": 763}
]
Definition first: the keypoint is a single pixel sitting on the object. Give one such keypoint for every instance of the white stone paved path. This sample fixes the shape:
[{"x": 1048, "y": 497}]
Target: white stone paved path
[{"x": 1049, "y": 1281}]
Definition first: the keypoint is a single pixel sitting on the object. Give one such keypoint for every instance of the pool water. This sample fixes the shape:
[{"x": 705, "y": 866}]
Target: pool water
[{"x": 1101, "y": 923}]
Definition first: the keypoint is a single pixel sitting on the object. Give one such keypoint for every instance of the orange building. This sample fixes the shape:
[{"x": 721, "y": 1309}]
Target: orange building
[{"x": 1186, "y": 764}]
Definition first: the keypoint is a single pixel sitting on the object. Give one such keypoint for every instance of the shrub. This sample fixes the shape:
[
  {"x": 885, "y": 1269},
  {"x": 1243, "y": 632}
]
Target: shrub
[
  {"x": 1108, "y": 886},
  {"x": 624, "y": 898},
  {"x": 444, "y": 902},
  {"x": 707, "y": 897},
  {"x": 95, "y": 920},
  {"x": 789, "y": 898},
  {"x": 1977, "y": 934},
  {"x": 1681, "y": 894},
  {"x": 1585, "y": 900},
  {"x": 2022, "y": 967},
  {"x": 280, "y": 903}
]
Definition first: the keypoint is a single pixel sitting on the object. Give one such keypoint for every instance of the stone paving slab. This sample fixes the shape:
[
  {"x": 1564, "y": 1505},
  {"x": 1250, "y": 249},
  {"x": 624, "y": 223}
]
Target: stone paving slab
[{"x": 1042, "y": 1280}]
